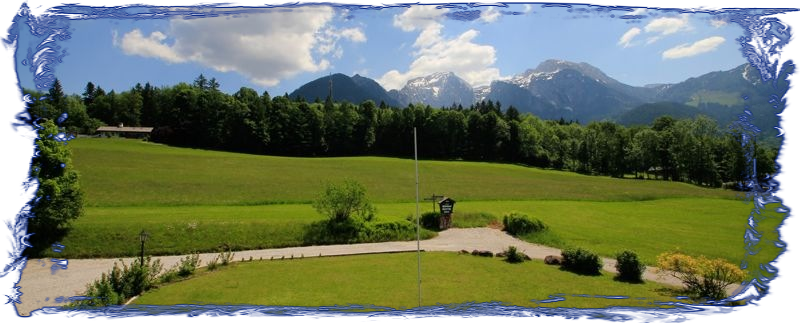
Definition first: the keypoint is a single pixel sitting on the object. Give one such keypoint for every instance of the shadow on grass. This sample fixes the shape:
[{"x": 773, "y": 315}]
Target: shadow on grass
[
  {"x": 629, "y": 281},
  {"x": 43, "y": 241},
  {"x": 580, "y": 273}
]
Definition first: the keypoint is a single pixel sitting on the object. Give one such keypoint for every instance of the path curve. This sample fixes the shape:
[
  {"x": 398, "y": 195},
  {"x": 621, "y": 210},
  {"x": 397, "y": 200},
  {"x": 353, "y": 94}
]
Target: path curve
[{"x": 42, "y": 287}]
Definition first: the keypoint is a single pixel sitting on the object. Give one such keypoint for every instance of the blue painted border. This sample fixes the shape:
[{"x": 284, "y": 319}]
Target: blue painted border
[{"x": 18, "y": 188}]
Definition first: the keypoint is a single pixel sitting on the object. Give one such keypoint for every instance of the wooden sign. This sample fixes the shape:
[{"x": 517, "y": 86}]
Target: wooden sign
[{"x": 446, "y": 206}]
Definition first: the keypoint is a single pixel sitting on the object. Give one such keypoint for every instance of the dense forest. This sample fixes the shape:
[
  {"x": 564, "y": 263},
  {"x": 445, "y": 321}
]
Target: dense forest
[{"x": 199, "y": 115}]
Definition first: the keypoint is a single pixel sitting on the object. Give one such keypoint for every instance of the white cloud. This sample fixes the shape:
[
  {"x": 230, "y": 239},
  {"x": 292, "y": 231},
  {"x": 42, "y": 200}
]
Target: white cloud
[
  {"x": 625, "y": 40},
  {"x": 528, "y": 8},
  {"x": 135, "y": 43},
  {"x": 115, "y": 37},
  {"x": 719, "y": 23},
  {"x": 698, "y": 47},
  {"x": 657, "y": 29},
  {"x": 638, "y": 12},
  {"x": 669, "y": 25},
  {"x": 264, "y": 47},
  {"x": 353, "y": 34},
  {"x": 419, "y": 17},
  {"x": 490, "y": 15},
  {"x": 435, "y": 53}
]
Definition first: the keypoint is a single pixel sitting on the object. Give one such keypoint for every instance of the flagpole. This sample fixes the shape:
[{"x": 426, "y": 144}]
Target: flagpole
[{"x": 416, "y": 175}]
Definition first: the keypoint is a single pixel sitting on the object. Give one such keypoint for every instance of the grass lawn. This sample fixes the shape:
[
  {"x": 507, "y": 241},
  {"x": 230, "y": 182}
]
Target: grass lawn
[
  {"x": 193, "y": 200},
  {"x": 605, "y": 227},
  {"x": 124, "y": 172},
  {"x": 390, "y": 280}
]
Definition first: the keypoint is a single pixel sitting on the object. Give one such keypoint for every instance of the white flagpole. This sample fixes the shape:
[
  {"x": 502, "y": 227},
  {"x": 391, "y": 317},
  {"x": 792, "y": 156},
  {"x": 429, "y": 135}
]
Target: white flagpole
[{"x": 416, "y": 175}]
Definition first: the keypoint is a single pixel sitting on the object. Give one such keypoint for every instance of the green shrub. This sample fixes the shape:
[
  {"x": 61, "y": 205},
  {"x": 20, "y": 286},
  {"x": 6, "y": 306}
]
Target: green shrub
[
  {"x": 390, "y": 231},
  {"x": 188, "y": 265},
  {"x": 339, "y": 202},
  {"x": 332, "y": 231},
  {"x": 184, "y": 268},
  {"x": 99, "y": 293},
  {"x": 520, "y": 224},
  {"x": 629, "y": 268},
  {"x": 356, "y": 230},
  {"x": 121, "y": 284},
  {"x": 429, "y": 220},
  {"x": 168, "y": 277},
  {"x": 213, "y": 264},
  {"x": 703, "y": 277},
  {"x": 226, "y": 257},
  {"x": 581, "y": 261},
  {"x": 513, "y": 256},
  {"x": 135, "y": 279}
]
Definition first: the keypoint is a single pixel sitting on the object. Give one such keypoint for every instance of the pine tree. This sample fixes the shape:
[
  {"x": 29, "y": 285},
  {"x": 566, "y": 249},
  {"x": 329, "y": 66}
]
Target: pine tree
[
  {"x": 56, "y": 96},
  {"x": 59, "y": 198},
  {"x": 89, "y": 94}
]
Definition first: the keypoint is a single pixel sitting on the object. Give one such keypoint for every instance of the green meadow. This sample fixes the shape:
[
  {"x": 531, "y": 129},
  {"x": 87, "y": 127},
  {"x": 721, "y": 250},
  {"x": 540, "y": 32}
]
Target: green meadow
[
  {"x": 193, "y": 200},
  {"x": 605, "y": 227},
  {"x": 448, "y": 278},
  {"x": 120, "y": 172}
]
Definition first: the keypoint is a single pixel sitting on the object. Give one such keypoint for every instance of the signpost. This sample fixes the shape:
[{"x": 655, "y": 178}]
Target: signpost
[
  {"x": 446, "y": 206},
  {"x": 433, "y": 200}
]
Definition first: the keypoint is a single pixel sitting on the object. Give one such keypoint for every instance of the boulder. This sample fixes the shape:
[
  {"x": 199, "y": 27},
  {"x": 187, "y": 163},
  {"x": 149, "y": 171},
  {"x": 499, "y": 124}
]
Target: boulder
[
  {"x": 553, "y": 260},
  {"x": 482, "y": 253}
]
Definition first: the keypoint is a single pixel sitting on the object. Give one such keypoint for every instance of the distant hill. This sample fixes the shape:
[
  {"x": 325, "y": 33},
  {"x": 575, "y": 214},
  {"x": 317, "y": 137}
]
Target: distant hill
[
  {"x": 646, "y": 113},
  {"x": 354, "y": 89}
]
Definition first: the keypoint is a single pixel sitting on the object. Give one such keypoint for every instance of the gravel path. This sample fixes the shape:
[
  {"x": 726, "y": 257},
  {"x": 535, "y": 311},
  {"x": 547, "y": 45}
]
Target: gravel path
[{"x": 41, "y": 287}]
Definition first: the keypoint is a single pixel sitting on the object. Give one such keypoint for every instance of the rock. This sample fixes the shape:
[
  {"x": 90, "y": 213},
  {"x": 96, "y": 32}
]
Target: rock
[
  {"x": 553, "y": 260},
  {"x": 482, "y": 253}
]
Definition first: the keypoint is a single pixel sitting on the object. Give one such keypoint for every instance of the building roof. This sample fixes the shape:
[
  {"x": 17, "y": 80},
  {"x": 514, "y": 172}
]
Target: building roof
[
  {"x": 126, "y": 129},
  {"x": 447, "y": 200}
]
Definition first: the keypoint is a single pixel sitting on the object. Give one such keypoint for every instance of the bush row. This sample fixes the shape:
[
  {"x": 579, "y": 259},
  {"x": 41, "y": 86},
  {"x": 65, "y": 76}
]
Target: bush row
[
  {"x": 520, "y": 224},
  {"x": 123, "y": 283},
  {"x": 581, "y": 261},
  {"x": 355, "y": 230}
]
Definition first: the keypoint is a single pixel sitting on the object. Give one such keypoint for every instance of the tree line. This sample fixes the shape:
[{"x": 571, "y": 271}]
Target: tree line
[{"x": 199, "y": 115}]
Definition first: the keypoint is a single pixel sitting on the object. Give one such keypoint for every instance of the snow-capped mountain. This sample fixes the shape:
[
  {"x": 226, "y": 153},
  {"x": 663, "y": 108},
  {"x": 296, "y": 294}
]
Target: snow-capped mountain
[
  {"x": 481, "y": 92},
  {"x": 573, "y": 91},
  {"x": 437, "y": 90},
  {"x": 562, "y": 89}
]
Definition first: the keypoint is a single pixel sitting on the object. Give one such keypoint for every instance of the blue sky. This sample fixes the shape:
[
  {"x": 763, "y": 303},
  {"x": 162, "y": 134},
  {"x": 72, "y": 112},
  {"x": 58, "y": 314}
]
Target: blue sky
[{"x": 278, "y": 51}]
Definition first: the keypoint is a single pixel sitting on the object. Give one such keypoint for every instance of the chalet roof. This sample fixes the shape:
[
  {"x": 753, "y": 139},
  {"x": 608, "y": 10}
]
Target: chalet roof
[
  {"x": 126, "y": 129},
  {"x": 447, "y": 200}
]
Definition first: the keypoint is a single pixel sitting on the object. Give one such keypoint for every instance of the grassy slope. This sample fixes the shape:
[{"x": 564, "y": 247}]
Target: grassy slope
[
  {"x": 605, "y": 227},
  {"x": 194, "y": 200},
  {"x": 118, "y": 172},
  {"x": 355, "y": 280}
]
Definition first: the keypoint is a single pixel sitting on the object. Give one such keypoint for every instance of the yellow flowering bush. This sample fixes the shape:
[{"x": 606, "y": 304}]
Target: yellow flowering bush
[{"x": 702, "y": 276}]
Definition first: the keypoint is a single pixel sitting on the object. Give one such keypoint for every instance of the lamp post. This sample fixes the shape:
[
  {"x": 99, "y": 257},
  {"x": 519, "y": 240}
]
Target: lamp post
[{"x": 142, "y": 238}]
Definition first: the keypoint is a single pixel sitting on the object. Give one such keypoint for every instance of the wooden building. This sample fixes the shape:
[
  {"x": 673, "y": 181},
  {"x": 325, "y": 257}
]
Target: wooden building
[{"x": 127, "y": 132}]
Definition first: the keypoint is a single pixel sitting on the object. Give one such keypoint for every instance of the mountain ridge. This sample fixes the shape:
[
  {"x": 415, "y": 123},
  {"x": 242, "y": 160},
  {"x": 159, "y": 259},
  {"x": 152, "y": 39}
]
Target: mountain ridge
[{"x": 574, "y": 91}]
